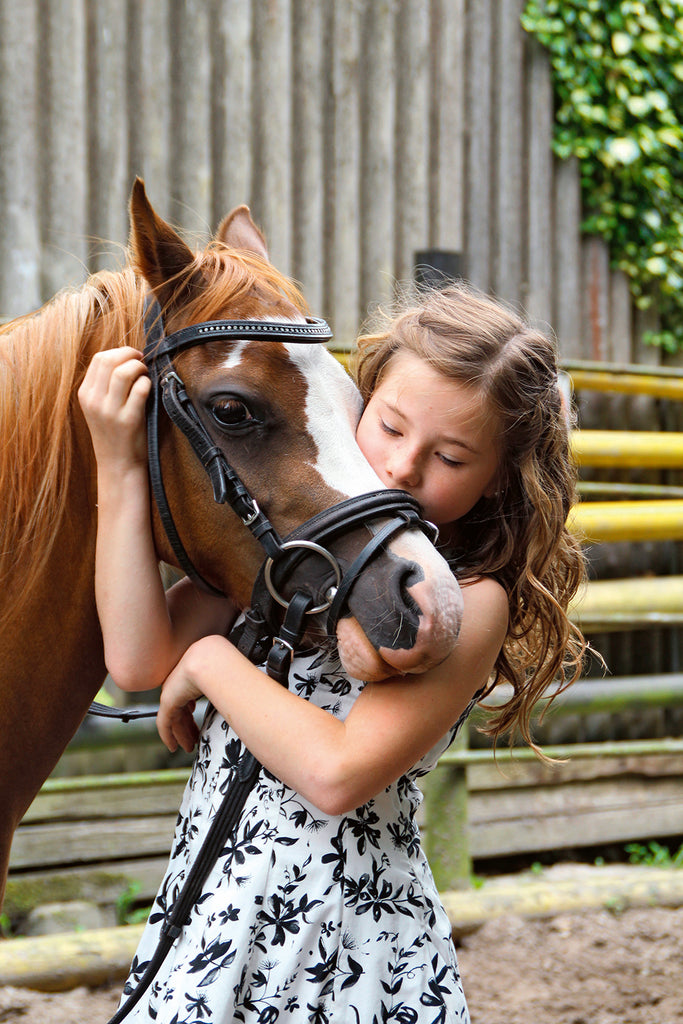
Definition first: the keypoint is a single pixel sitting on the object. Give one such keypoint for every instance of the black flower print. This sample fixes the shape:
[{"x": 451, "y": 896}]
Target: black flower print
[{"x": 305, "y": 918}]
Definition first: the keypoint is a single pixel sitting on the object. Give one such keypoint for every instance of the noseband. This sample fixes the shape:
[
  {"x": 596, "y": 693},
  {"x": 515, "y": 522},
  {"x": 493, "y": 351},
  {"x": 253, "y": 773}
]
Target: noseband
[{"x": 313, "y": 536}]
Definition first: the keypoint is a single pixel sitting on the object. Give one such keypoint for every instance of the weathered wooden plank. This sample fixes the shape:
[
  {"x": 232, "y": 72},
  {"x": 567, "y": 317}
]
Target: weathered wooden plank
[
  {"x": 19, "y": 133},
  {"x": 539, "y": 190},
  {"x": 509, "y": 122},
  {"x": 569, "y": 816},
  {"x": 596, "y": 284},
  {"x": 447, "y": 182},
  {"x": 77, "y": 842},
  {"x": 343, "y": 171},
  {"x": 231, "y": 112},
  {"x": 107, "y": 128},
  {"x": 190, "y": 182},
  {"x": 103, "y": 884},
  {"x": 149, "y": 111},
  {"x": 107, "y": 801},
  {"x": 521, "y": 774},
  {"x": 568, "y": 288},
  {"x": 479, "y": 225},
  {"x": 56, "y": 963},
  {"x": 309, "y": 134},
  {"x": 412, "y": 138},
  {"x": 63, "y": 144},
  {"x": 272, "y": 127},
  {"x": 378, "y": 170}
]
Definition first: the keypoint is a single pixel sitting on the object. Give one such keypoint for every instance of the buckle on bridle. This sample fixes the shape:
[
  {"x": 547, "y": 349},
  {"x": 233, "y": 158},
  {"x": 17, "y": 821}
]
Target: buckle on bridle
[{"x": 252, "y": 516}]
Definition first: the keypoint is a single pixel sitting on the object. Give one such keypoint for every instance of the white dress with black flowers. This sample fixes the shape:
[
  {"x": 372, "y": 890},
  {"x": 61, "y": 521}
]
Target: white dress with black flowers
[{"x": 304, "y": 917}]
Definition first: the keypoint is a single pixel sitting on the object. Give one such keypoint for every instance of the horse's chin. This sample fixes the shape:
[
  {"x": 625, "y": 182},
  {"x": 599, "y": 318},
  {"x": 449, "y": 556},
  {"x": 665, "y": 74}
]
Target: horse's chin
[{"x": 360, "y": 659}]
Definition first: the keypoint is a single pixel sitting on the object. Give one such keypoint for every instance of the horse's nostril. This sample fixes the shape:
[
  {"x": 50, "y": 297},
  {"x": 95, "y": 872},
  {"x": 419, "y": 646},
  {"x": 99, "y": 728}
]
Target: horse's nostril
[{"x": 409, "y": 577}]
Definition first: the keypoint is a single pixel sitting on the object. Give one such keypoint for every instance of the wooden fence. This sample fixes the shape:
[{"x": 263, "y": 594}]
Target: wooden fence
[
  {"x": 359, "y": 131},
  {"x": 101, "y": 837}
]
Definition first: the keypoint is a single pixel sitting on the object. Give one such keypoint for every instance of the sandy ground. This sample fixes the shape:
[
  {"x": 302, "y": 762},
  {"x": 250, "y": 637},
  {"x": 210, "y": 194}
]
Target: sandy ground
[{"x": 594, "y": 968}]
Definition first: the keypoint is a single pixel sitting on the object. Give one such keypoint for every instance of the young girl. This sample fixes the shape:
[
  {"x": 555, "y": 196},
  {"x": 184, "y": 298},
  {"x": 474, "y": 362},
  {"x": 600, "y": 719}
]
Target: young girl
[{"x": 322, "y": 907}]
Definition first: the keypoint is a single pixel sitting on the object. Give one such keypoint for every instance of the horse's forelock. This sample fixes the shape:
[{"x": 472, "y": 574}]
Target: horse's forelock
[{"x": 238, "y": 281}]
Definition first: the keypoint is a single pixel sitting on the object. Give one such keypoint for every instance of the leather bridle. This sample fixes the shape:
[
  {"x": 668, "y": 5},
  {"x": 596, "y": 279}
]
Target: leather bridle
[{"x": 169, "y": 393}]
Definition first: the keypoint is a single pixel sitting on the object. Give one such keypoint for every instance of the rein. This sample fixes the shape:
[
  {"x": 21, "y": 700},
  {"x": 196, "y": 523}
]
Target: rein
[{"x": 258, "y": 636}]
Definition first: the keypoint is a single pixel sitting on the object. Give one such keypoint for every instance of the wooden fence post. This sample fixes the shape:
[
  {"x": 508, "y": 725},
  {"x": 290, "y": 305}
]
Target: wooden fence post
[{"x": 446, "y": 834}]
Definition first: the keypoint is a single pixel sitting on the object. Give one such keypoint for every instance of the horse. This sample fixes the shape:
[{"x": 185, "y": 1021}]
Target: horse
[{"x": 284, "y": 414}]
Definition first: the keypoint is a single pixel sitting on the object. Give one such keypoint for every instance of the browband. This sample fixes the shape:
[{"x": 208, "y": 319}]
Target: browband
[{"x": 312, "y": 331}]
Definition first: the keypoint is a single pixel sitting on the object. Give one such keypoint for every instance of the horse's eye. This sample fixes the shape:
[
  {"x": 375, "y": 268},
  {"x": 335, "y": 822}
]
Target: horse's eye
[{"x": 231, "y": 413}]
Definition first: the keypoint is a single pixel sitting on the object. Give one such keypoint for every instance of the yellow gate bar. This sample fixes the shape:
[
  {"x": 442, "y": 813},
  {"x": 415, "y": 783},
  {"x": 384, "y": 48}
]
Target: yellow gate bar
[
  {"x": 627, "y": 383},
  {"x": 637, "y": 449},
  {"x": 597, "y": 521},
  {"x": 626, "y": 603}
]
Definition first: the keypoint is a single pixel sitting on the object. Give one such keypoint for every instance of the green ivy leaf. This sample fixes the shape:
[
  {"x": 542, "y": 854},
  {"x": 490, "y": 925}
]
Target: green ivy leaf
[{"x": 617, "y": 68}]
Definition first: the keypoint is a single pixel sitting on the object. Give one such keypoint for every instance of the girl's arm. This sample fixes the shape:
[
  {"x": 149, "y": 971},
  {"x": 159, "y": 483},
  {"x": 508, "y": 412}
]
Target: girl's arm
[
  {"x": 338, "y": 765},
  {"x": 144, "y": 633}
]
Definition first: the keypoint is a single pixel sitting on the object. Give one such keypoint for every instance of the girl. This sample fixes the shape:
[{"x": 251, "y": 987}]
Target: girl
[{"x": 322, "y": 907}]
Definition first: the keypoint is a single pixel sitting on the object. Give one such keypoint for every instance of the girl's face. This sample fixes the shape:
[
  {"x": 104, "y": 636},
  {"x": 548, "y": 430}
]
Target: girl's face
[{"x": 432, "y": 437}]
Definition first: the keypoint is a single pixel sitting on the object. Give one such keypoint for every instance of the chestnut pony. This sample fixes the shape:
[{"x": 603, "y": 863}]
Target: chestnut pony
[{"x": 284, "y": 414}]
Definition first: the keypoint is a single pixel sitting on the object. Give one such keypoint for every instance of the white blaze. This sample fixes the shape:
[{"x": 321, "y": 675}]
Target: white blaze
[{"x": 333, "y": 408}]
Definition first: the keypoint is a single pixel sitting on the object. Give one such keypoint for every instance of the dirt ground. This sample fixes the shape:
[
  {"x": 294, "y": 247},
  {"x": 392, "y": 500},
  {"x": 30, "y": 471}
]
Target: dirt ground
[{"x": 594, "y": 968}]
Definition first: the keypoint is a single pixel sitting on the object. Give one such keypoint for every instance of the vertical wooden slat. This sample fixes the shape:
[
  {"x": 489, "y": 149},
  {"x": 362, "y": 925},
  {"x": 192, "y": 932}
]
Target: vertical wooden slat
[
  {"x": 479, "y": 118},
  {"x": 19, "y": 223},
  {"x": 621, "y": 319},
  {"x": 568, "y": 285},
  {"x": 539, "y": 184},
  {"x": 447, "y": 160},
  {"x": 508, "y": 196},
  {"x": 63, "y": 180},
  {"x": 378, "y": 171},
  {"x": 412, "y": 142},
  {"x": 107, "y": 127},
  {"x": 343, "y": 174},
  {"x": 190, "y": 153},
  {"x": 273, "y": 150},
  {"x": 231, "y": 116},
  {"x": 149, "y": 135},
  {"x": 309, "y": 95},
  {"x": 596, "y": 287}
]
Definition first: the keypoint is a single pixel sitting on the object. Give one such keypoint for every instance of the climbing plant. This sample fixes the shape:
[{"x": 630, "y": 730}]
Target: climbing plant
[{"x": 617, "y": 68}]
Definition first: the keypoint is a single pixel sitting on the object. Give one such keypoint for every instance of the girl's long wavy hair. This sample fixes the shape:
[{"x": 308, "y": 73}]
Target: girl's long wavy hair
[{"x": 520, "y": 535}]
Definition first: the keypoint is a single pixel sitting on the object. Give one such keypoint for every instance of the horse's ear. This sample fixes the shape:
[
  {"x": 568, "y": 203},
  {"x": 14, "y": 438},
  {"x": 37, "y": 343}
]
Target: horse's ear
[
  {"x": 158, "y": 253},
  {"x": 238, "y": 231}
]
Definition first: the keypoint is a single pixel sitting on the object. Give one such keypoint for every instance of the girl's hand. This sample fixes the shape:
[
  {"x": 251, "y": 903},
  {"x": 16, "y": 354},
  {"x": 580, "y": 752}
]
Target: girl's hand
[
  {"x": 113, "y": 397},
  {"x": 179, "y": 695}
]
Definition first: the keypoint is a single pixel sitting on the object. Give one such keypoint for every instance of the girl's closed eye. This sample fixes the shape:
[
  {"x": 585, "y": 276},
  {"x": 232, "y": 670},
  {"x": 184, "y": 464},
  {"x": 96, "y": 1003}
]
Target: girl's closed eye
[
  {"x": 388, "y": 429},
  {"x": 450, "y": 460}
]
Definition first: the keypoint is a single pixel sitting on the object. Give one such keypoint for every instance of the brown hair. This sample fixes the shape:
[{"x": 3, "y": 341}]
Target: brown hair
[{"x": 520, "y": 535}]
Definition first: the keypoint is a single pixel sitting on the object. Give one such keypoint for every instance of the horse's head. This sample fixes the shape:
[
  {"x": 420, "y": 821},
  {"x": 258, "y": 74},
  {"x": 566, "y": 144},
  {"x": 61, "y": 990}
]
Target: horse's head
[{"x": 284, "y": 416}]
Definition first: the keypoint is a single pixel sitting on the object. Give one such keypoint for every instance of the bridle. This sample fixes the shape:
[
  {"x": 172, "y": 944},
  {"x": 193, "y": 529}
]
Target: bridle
[
  {"x": 169, "y": 393},
  {"x": 259, "y": 636}
]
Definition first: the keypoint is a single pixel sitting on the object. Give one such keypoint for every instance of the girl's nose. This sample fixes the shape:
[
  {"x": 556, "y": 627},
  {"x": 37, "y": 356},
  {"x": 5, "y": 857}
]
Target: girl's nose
[{"x": 403, "y": 467}]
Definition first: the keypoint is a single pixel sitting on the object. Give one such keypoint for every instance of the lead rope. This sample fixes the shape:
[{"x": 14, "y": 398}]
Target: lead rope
[{"x": 228, "y": 814}]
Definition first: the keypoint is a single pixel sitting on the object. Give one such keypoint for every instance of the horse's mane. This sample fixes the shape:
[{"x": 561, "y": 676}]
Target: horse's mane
[{"x": 43, "y": 358}]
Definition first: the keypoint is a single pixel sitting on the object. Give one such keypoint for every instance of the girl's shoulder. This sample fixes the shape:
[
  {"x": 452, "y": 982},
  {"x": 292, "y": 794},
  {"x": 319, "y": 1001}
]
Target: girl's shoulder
[{"x": 486, "y": 599}]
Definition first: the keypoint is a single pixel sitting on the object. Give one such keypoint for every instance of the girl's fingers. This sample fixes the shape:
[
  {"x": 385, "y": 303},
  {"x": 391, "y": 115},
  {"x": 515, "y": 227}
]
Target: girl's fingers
[{"x": 177, "y": 729}]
